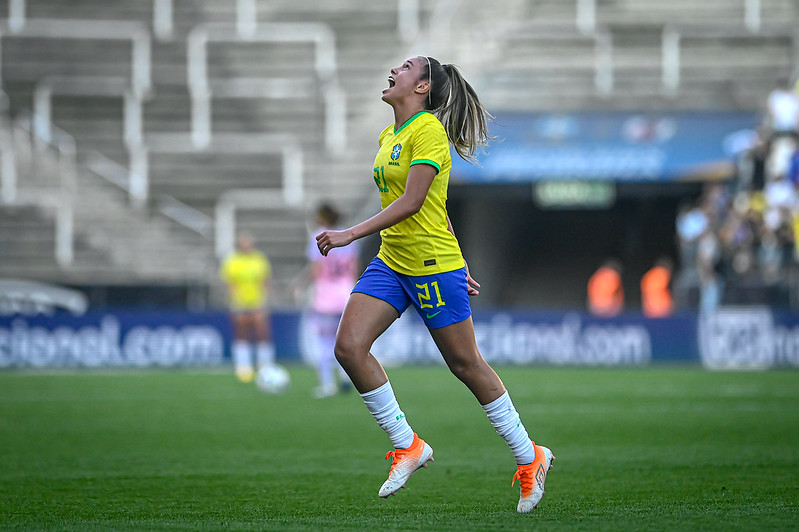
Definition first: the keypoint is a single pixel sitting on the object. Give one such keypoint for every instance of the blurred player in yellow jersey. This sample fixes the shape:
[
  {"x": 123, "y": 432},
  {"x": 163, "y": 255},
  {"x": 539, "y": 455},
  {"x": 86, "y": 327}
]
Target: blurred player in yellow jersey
[{"x": 247, "y": 273}]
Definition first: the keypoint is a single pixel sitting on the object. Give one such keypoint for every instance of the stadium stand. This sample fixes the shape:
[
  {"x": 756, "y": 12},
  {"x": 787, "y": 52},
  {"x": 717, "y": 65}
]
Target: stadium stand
[
  {"x": 551, "y": 56},
  {"x": 258, "y": 88},
  {"x": 136, "y": 105}
]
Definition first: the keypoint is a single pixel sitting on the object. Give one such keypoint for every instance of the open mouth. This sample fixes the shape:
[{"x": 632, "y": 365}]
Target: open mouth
[{"x": 391, "y": 81}]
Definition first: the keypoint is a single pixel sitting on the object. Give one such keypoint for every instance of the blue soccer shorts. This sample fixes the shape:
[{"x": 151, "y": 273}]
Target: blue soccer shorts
[{"x": 440, "y": 299}]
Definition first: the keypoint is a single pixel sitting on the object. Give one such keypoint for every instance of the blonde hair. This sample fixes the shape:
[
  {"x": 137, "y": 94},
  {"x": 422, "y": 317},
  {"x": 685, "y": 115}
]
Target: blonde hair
[{"x": 456, "y": 104}]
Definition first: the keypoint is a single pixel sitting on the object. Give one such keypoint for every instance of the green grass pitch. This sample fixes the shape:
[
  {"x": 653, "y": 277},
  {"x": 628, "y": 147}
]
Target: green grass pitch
[{"x": 661, "y": 448}]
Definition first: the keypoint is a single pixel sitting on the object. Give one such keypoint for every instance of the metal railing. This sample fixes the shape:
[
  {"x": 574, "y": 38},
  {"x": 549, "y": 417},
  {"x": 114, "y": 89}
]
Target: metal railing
[
  {"x": 586, "y": 15},
  {"x": 100, "y": 30},
  {"x": 202, "y": 91},
  {"x": 62, "y": 202},
  {"x": 671, "y": 46},
  {"x": 50, "y": 86},
  {"x": 235, "y": 200},
  {"x": 8, "y": 155},
  {"x": 408, "y": 20},
  {"x": 291, "y": 193},
  {"x": 163, "y": 10},
  {"x": 585, "y": 25}
]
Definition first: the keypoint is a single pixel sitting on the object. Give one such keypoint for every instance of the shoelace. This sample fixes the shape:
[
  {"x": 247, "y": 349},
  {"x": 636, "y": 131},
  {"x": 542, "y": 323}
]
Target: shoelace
[
  {"x": 525, "y": 478},
  {"x": 396, "y": 455},
  {"x": 395, "y": 458}
]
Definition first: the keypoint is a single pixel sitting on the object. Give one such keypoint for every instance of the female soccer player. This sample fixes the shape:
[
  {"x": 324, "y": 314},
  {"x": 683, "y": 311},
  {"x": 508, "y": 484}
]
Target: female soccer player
[
  {"x": 247, "y": 272},
  {"x": 420, "y": 263}
]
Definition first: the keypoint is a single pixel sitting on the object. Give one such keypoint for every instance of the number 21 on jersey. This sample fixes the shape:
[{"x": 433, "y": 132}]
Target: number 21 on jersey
[{"x": 380, "y": 178}]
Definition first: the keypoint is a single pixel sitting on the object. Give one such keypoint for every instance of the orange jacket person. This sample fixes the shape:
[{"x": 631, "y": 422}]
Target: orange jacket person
[
  {"x": 605, "y": 291},
  {"x": 656, "y": 300}
]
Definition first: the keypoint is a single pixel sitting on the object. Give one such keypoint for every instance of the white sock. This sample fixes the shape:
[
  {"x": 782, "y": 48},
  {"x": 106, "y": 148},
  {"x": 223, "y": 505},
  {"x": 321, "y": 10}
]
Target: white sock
[
  {"x": 506, "y": 422},
  {"x": 265, "y": 354},
  {"x": 384, "y": 407},
  {"x": 241, "y": 354}
]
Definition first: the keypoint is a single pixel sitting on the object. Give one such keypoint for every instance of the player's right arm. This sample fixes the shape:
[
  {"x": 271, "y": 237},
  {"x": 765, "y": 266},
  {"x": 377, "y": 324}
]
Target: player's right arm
[{"x": 420, "y": 178}]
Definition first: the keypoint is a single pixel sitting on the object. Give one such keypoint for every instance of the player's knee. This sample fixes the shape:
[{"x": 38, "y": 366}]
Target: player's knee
[
  {"x": 465, "y": 370},
  {"x": 346, "y": 350}
]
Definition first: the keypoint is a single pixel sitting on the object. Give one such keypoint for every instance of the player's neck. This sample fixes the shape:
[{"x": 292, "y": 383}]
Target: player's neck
[{"x": 404, "y": 113}]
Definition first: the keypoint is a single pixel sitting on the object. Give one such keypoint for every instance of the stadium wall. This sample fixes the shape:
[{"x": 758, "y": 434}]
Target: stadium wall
[{"x": 732, "y": 338}]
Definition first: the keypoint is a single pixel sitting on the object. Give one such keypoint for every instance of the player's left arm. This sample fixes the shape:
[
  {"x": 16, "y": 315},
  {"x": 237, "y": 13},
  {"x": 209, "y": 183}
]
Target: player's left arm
[{"x": 473, "y": 285}]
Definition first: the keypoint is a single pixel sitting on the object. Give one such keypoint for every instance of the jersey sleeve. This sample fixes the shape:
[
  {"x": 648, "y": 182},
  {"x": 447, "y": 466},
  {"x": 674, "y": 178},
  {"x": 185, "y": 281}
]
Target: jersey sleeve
[{"x": 430, "y": 145}]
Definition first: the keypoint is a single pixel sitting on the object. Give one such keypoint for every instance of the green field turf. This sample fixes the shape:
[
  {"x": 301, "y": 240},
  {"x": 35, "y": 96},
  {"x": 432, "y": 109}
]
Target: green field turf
[{"x": 648, "y": 449}]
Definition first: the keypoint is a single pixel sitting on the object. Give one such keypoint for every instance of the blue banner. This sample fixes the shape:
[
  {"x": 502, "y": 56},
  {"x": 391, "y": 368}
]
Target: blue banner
[
  {"x": 731, "y": 338},
  {"x": 612, "y": 146}
]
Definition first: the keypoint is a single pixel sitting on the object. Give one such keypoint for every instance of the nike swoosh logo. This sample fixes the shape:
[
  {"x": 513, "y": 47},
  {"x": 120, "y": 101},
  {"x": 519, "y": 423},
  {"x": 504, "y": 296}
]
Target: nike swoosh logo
[{"x": 433, "y": 315}]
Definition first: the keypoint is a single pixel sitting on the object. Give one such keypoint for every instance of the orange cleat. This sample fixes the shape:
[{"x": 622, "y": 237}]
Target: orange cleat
[
  {"x": 531, "y": 479},
  {"x": 404, "y": 462}
]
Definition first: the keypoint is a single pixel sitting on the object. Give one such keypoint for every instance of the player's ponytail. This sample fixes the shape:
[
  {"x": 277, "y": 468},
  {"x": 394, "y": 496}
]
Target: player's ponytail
[{"x": 456, "y": 104}]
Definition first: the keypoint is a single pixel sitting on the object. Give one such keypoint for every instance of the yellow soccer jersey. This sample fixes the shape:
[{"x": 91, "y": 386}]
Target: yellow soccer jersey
[
  {"x": 420, "y": 244},
  {"x": 246, "y": 274}
]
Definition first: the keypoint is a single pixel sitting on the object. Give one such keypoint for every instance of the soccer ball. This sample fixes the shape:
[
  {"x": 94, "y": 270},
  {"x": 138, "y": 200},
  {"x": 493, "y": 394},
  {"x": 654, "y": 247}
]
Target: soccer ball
[{"x": 273, "y": 379}]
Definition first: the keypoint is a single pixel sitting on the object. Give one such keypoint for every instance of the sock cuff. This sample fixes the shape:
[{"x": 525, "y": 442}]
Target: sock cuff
[
  {"x": 497, "y": 403},
  {"x": 377, "y": 391}
]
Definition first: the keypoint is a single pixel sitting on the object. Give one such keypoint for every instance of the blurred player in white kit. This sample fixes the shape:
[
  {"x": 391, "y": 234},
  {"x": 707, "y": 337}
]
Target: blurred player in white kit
[{"x": 333, "y": 277}]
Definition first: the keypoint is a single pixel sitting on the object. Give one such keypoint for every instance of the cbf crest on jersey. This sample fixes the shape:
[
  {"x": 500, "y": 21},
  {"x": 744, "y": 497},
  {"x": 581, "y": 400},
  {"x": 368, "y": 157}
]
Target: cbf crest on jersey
[{"x": 395, "y": 154}]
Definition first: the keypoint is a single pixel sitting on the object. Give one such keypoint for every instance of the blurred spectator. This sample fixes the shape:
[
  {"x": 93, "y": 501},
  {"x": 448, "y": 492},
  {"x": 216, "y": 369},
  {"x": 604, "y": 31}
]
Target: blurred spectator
[
  {"x": 782, "y": 119},
  {"x": 783, "y": 109},
  {"x": 770, "y": 257},
  {"x": 781, "y": 150},
  {"x": 247, "y": 272},
  {"x": 737, "y": 242},
  {"x": 708, "y": 266},
  {"x": 656, "y": 300},
  {"x": 692, "y": 221},
  {"x": 751, "y": 162},
  {"x": 779, "y": 193},
  {"x": 605, "y": 290}
]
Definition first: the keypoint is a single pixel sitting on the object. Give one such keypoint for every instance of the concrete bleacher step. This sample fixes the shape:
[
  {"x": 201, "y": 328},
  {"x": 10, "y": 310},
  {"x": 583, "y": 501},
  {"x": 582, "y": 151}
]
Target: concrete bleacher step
[
  {"x": 35, "y": 58},
  {"x": 139, "y": 245},
  {"x": 738, "y": 54},
  {"x": 29, "y": 241},
  {"x": 167, "y": 110},
  {"x": 672, "y": 11}
]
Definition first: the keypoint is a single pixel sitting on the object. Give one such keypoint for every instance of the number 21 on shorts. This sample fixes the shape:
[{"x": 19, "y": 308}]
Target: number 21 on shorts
[{"x": 425, "y": 299}]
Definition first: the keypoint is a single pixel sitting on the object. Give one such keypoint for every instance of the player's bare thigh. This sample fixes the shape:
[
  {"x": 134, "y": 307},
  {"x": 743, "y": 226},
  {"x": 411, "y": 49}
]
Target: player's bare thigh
[
  {"x": 251, "y": 325},
  {"x": 364, "y": 319}
]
